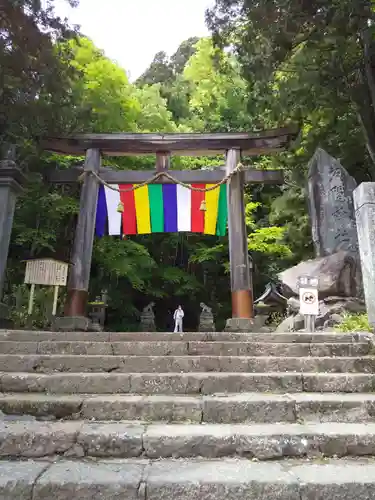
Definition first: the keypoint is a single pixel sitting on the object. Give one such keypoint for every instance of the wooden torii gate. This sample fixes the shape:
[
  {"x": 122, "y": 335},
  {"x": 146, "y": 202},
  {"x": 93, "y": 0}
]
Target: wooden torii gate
[{"x": 232, "y": 145}]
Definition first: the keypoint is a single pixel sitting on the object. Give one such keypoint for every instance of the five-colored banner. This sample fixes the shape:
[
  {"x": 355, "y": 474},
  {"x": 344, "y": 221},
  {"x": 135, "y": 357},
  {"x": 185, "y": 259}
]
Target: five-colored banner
[{"x": 161, "y": 208}]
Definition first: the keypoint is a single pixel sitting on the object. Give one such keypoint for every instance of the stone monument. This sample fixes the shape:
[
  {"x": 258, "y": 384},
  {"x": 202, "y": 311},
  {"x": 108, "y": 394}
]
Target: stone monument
[
  {"x": 364, "y": 201},
  {"x": 331, "y": 206},
  {"x": 206, "y": 319},
  {"x": 334, "y": 233},
  {"x": 148, "y": 318}
]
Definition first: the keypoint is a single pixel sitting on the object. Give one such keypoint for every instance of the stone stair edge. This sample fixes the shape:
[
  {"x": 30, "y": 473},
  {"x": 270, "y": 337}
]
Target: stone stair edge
[
  {"x": 183, "y": 356},
  {"x": 186, "y": 348},
  {"x": 7, "y": 330},
  {"x": 184, "y": 383},
  {"x": 146, "y": 336},
  {"x": 237, "y": 408},
  {"x": 188, "y": 480},
  {"x": 166, "y": 341},
  {"x": 254, "y": 396},
  {"x": 80, "y": 439},
  {"x": 47, "y": 363}
]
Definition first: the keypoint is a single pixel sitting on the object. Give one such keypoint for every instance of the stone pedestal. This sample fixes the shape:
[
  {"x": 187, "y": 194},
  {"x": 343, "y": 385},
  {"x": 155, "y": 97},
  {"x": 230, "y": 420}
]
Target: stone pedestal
[
  {"x": 72, "y": 324},
  {"x": 246, "y": 325},
  {"x": 364, "y": 204},
  {"x": 206, "y": 322},
  {"x": 148, "y": 324},
  {"x": 239, "y": 325}
]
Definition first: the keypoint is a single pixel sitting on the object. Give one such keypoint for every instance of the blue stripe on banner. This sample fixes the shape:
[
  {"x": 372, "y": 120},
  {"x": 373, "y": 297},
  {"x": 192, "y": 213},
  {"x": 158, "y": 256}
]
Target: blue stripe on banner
[
  {"x": 101, "y": 213},
  {"x": 170, "y": 208}
]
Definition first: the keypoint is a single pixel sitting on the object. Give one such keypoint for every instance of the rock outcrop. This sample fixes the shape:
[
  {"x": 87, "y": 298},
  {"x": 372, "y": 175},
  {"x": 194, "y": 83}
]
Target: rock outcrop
[{"x": 337, "y": 274}]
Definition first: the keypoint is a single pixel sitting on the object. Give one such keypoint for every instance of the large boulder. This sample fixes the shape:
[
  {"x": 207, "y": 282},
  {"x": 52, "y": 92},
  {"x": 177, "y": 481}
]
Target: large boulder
[
  {"x": 291, "y": 324},
  {"x": 338, "y": 275}
]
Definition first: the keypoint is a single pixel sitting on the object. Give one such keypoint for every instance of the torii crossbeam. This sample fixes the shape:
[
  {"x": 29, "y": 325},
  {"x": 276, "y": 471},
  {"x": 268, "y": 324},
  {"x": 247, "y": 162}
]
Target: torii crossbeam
[{"x": 94, "y": 146}]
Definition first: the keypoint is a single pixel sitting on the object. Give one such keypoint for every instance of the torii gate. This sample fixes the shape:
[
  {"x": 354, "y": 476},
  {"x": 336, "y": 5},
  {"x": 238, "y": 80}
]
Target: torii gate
[{"x": 94, "y": 146}]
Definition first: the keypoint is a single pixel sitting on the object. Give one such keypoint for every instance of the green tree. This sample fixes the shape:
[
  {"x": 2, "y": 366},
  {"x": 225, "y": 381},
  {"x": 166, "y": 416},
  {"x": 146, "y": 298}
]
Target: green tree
[
  {"x": 182, "y": 55},
  {"x": 34, "y": 80},
  {"x": 105, "y": 96},
  {"x": 160, "y": 71},
  {"x": 219, "y": 98},
  {"x": 311, "y": 62},
  {"x": 154, "y": 114}
]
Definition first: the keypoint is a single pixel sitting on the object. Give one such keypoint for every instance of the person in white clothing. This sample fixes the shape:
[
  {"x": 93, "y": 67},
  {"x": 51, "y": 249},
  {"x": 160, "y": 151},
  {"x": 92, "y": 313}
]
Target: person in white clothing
[{"x": 178, "y": 317}]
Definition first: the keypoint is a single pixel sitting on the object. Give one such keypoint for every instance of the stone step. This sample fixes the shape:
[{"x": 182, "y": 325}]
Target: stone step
[
  {"x": 185, "y": 383},
  {"x": 176, "y": 348},
  {"x": 194, "y": 479},
  {"x": 229, "y": 408},
  {"x": 80, "y": 439},
  {"x": 163, "y": 364},
  {"x": 298, "y": 337}
]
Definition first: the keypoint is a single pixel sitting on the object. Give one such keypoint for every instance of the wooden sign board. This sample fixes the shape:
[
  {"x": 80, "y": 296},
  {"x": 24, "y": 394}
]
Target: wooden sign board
[{"x": 48, "y": 272}]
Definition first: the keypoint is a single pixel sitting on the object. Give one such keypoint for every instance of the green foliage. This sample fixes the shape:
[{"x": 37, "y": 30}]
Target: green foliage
[
  {"x": 106, "y": 99},
  {"x": 34, "y": 93},
  {"x": 283, "y": 61},
  {"x": 41, "y": 316},
  {"x": 269, "y": 240},
  {"x": 310, "y": 63},
  {"x": 355, "y": 323},
  {"x": 160, "y": 71},
  {"x": 218, "y": 99},
  {"x": 265, "y": 240},
  {"x": 126, "y": 259},
  {"x": 154, "y": 115}
]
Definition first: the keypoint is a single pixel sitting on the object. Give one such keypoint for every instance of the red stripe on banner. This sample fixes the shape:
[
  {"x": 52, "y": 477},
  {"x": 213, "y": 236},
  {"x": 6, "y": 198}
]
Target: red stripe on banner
[
  {"x": 129, "y": 219},
  {"x": 197, "y": 215}
]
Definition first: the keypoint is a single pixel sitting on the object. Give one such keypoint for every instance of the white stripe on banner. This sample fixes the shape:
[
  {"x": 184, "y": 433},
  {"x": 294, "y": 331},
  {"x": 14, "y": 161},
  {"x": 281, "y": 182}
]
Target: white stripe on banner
[
  {"x": 183, "y": 208},
  {"x": 114, "y": 217}
]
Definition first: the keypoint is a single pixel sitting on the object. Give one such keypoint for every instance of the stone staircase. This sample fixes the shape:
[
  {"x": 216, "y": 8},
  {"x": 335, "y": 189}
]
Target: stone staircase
[{"x": 115, "y": 416}]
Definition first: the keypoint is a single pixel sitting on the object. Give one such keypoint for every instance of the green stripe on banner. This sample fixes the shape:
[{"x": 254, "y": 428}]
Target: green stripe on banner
[
  {"x": 155, "y": 194},
  {"x": 222, "y": 216}
]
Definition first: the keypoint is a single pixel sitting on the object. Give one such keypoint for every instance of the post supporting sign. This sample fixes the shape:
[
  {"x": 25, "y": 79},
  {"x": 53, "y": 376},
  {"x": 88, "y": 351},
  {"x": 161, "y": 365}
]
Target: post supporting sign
[
  {"x": 309, "y": 301},
  {"x": 48, "y": 272}
]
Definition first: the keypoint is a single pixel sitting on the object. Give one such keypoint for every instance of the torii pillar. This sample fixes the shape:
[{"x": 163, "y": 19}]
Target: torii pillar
[
  {"x": 75, "y": 312},
  {"x": 241, "y": 282}
]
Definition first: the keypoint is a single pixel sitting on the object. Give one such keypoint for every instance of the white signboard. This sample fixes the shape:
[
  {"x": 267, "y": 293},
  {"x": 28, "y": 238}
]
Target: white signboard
[
  {"x": 309, "y": 303},
  {"x": 48, "y": 272}
]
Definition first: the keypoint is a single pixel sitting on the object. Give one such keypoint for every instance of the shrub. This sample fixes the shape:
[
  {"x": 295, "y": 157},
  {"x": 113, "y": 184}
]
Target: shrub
[{"x": 354, "y": 323}]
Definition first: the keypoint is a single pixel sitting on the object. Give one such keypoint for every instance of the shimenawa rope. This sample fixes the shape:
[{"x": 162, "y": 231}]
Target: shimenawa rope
[{"x": 156, "y": 177}]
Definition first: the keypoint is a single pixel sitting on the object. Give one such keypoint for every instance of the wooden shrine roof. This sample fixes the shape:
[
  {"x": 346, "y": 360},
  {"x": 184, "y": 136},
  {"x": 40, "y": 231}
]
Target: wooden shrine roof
[{"x": 266, "y": 142}]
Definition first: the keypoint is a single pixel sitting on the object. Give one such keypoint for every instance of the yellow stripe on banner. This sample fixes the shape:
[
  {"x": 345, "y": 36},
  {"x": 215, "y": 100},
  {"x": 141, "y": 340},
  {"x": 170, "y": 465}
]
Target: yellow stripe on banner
[
  {"x": 212, "y": 208},
  {"x": 142, "y": 210}
]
